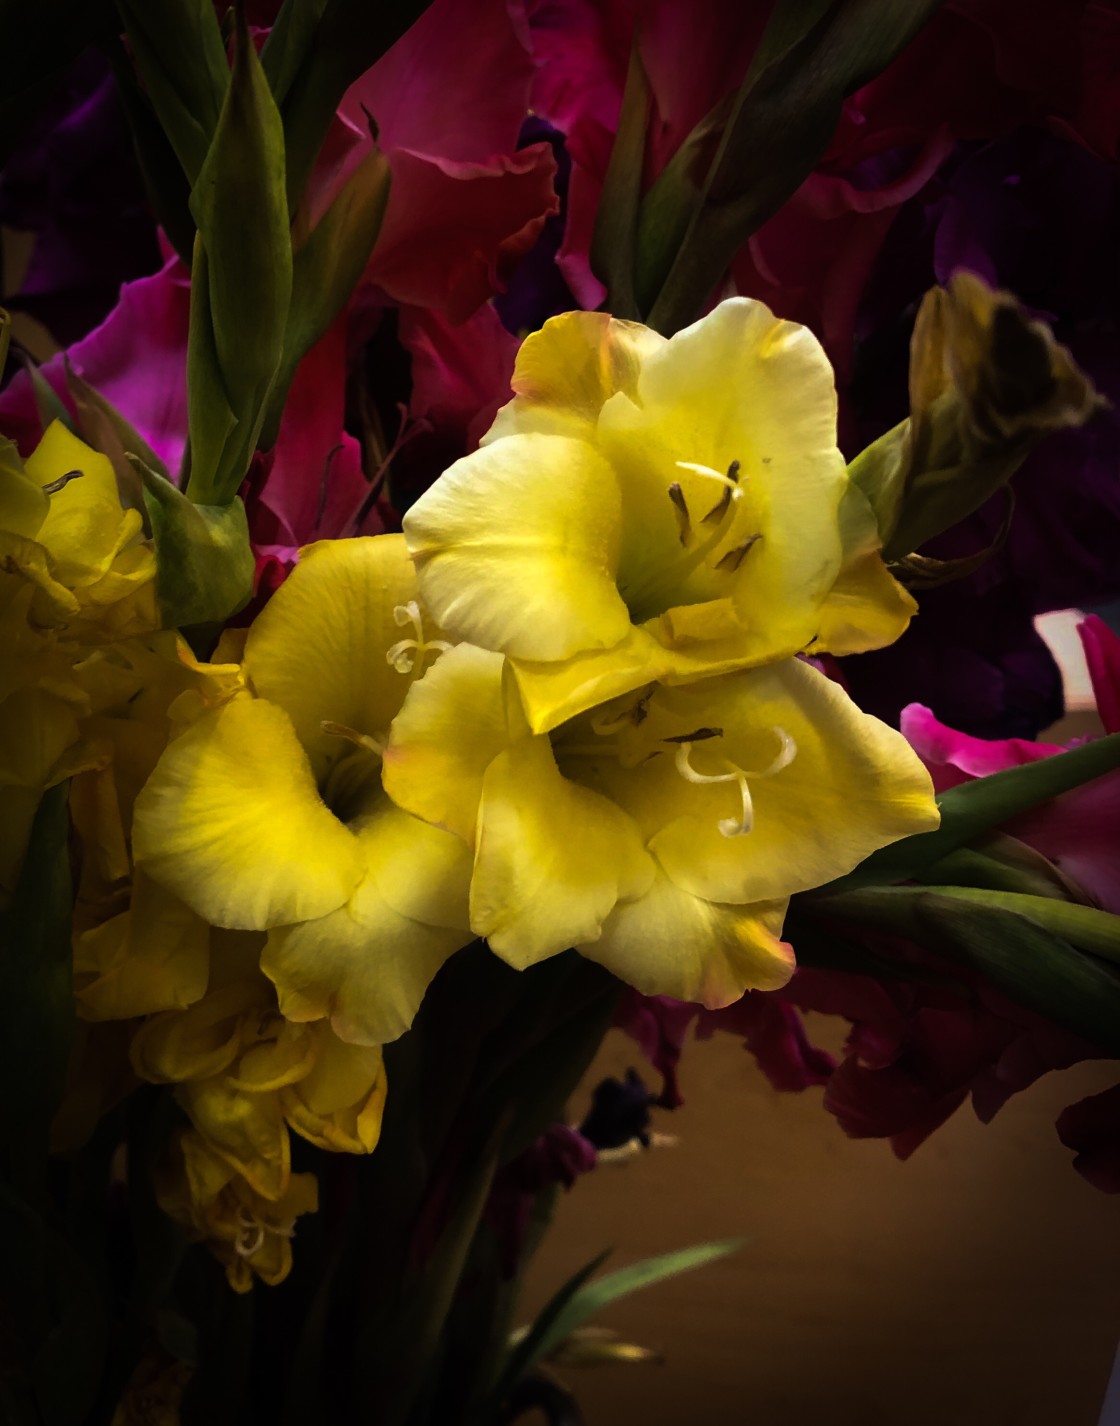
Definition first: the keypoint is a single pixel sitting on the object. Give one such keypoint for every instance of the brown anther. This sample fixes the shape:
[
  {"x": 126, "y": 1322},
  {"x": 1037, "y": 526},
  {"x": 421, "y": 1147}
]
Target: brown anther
[
  {"x": 719, "y": 509},
  {"x": 733, "y": 472},
  {"x": 701, "y": 735},
  {"x": 680, "y": 509},
  {"x": 54, "y": 486},
  {"x": 734, "y": 558}
]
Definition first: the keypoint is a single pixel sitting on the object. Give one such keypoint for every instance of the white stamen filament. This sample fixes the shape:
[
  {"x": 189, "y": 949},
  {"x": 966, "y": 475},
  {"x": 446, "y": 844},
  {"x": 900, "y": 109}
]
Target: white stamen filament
[
  {"x": 250, "y": 1240},
  {"x": 360, "y": 740},
  {"x": 741, "y": 825},
  {"x": 403, "y": 655}
]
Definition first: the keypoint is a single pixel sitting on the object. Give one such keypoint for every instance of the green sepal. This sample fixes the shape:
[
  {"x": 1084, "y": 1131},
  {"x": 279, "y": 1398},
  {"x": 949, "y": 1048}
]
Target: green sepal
[
  {"x": 765, "y": 142},
  {"x": 987, "y": 383},
  {"x": 48, "y": 403},
  {"x": 178, "y": 49},
  {"x": 204, "y": 561},
  {"x": 325, "y": 271},
  {"x": 1027, "y": 960},
  {"x": 36, "y": 995},
  {"x": 241, "y": 281},
  {"x": 1002, "y": 863},
  {"x": 972, "y": 809},
  {"x": 614, "y": 243}
]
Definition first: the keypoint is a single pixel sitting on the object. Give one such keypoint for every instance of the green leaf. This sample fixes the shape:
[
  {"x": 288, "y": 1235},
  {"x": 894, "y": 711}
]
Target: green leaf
[
  {"x": 287, "y": 42},
  {"x": 178, "y": 50},
  {"x": 570, "y": 1309},
  {"x": 167, "y": 184},
  {"x": 325, "y": 271},
  {"x": 973, "y": 808},
  {"x": 1026, "y": 960},
  {"x": 614, "y": 244},
  {"x": 205, "y": 564},
  {"x": 765, "y": 143},
  {"x": 36, "y": 998},
  {"x": 350, "y": 37}
]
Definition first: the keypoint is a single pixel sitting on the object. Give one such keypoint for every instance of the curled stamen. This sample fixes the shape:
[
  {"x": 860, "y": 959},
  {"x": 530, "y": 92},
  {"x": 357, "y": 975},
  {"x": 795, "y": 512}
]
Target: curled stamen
[
  {"x": 734, "y": 558},
  {"x": 680, "y": 509},
  {"x": 250, "y": 1240},
  {"x": 730, "y": 483},
  {"x": 741, "y": 825},
  {"x": 361, "y": 740},
  {"x": 403, "y": 655}
]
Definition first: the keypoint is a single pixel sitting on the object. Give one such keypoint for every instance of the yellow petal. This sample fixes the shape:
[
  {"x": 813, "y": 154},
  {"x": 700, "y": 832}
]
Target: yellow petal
[
  {"x": 553, "y": 858},
  {"x": 318, "y": 648},
  {"x": 338, "y": 1106},
  {"x": 247, "y": 1130},
  {"x": 198, "y": 1042},
  {"x": 866, "y": 608},
  {"x": 85, "y": 526},
  {"x": 284, "y": 1054},
  {"x": 516, "y": 548},
  {"x": 154, "y": 956},
  {"x": 367, "y": 965},
  {"x": 452, "y": 725},
  {"x": 853, "y": 784},
  {"x": 670, "y": 943},
  {"x": 232, "y": 822},
  {"x": 567, "y": 370},
  {"x": 737, "y": 386}
]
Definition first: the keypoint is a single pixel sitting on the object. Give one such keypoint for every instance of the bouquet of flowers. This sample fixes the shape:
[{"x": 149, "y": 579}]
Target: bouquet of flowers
[{"x": 547, "y": 536}]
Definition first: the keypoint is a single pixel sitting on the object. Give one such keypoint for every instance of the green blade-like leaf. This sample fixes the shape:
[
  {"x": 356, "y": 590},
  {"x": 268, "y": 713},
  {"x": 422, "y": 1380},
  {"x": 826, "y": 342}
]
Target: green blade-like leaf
[
  {"x": 350, "y": 37},
  {"x": 178, "y": 49},
  {"x": 781, "y": 122},
  {"x": 325, "y": 271},
  {"x": 525, "y": 1352},
  {"x": 1026, "y": 960},
  {"x": 973, "y": 808},
  {"x": 287, "y": 43},
  {"x": 589, "y": 1299},
  {"x": 614, "y": 244}
]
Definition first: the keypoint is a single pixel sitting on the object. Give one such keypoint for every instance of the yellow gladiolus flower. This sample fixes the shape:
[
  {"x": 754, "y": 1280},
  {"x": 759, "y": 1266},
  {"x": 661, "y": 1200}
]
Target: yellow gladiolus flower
[
  {"x": 663, "y": 833},
  {"x": 248, "y": 1233},
  {"x": 656, "y": 510},
  {"x": 268, "y": 813},
  {"x": 245, "y": 1075}
]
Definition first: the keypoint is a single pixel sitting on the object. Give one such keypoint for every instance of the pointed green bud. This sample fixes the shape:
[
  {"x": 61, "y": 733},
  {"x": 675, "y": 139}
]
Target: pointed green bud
[
  {"x": 241, "y": 281},
  {"x": 205, "y": 564},
  {"x": 986, "y": 385}
]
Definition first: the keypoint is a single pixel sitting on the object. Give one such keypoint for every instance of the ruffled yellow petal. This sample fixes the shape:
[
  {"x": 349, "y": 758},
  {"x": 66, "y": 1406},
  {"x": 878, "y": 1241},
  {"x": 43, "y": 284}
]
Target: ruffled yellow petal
[
  {"x": 318, "y": 648},
  {"x": 232, "y": 822},
  {"x": 154, "y": 956},
  {"x": 247, "y": 1130},
  {"x": 670, "y": 943},
  {"x": 23, "y": 502},
  {"x": 567, "y": 370},
  {"x": 453, "y": 724},
  {"x": 553, "y": 858},
  {"x": 339, "y": 1104},
  {"x": 516, "y": 548},
  {"x": 199, "y": 1042},
  {"x": 367, "y": 965}
]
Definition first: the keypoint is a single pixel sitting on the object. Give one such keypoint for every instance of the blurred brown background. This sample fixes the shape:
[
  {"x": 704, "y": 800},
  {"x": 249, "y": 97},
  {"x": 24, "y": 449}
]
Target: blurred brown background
[{"x": 978, "y": 1284}]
